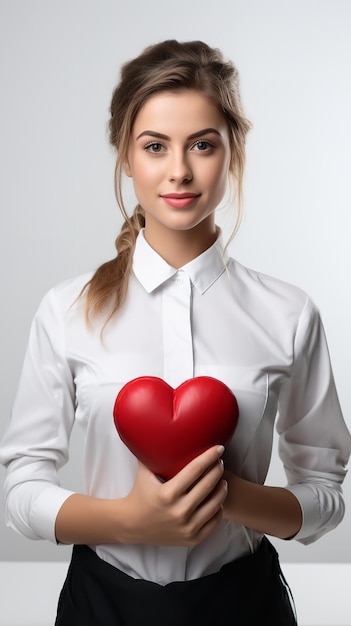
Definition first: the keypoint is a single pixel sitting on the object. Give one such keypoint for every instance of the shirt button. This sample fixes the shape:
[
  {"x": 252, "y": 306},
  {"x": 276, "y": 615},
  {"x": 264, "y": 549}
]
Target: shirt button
[{"x": 179, "y": 280}]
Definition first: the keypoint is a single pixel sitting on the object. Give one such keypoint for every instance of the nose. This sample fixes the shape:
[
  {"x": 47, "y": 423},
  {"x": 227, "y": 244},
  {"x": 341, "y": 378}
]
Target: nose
[{"x": 179, "y": 168}]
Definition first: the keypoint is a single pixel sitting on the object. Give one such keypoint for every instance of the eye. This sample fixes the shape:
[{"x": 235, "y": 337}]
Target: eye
[
  {"x": 154, "y": 147},
  {"x": 202, "y": 146}
]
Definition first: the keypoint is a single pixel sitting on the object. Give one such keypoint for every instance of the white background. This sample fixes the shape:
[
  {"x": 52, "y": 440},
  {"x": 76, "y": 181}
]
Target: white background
[{"x": 59, "y": 62}]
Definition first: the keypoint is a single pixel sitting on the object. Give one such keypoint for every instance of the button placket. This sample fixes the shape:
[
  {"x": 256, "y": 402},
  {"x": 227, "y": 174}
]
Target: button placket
[{"x": 177, "y": 335}]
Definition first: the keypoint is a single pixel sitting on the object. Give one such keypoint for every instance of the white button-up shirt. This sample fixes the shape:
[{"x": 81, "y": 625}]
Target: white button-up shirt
[{"x": 260, "y": 336}]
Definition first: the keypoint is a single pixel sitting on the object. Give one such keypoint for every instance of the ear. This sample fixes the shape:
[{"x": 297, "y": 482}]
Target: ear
[{"x": 127, "y": 170}]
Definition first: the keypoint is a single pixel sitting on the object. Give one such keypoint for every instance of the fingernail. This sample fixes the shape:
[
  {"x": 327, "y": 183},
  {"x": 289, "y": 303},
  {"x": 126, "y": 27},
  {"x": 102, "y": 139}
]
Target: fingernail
[{"x": 220, "y": 450}]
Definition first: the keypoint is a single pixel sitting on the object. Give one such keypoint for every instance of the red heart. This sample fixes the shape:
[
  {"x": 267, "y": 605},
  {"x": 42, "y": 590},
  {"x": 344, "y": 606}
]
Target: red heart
[{"x": 166, "y": 428}]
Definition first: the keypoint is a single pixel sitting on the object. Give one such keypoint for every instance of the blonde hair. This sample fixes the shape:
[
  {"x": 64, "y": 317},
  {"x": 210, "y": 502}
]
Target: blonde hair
[{"x": 166, "y": 66}]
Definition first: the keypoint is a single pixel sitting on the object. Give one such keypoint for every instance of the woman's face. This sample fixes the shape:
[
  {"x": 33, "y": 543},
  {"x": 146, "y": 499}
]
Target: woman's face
[{"x": 179, "y": 159}]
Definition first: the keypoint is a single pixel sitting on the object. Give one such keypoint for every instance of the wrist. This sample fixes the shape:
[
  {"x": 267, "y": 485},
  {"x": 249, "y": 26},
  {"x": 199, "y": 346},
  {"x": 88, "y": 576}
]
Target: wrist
[
  {"x": 271, "y": 510},
  {"x": 125, "y": 523}
]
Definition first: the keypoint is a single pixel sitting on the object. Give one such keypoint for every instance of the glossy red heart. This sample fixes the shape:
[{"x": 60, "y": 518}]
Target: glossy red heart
[{"x": 166, "y": 428}]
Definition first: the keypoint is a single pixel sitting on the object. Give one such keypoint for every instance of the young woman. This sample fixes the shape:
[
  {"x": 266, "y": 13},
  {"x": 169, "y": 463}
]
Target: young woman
[{"x": 193, "y": 549}]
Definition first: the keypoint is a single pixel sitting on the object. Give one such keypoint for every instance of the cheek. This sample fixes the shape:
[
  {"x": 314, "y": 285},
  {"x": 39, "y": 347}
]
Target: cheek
[
  {"x": 217, "y": 179},
  {"x": 141, "y": 178},
  {"x": 145, "y": 174}
]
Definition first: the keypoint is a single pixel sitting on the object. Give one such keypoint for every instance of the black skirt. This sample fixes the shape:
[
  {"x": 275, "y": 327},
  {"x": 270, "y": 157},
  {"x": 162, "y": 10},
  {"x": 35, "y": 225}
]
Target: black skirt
[{"x": 247, "y": 592}]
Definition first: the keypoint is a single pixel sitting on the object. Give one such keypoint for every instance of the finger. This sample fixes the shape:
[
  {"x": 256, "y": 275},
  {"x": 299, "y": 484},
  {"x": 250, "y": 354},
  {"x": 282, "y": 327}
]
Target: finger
[
  {"x": 214, "y": 501},
  {"x": 205, "y": 486},
  {"x": 209, "y": 527},
  {"x": 207, "y": 517},
  {"x": 191, "y": 473}
]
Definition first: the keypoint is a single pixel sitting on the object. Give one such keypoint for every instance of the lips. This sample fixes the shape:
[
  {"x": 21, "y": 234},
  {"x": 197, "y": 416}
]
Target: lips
[{"x": 180, "y": 200}]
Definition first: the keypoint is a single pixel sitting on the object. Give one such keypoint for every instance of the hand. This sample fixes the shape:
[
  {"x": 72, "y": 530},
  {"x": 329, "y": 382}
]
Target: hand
[{"x": 180, "y": 512}]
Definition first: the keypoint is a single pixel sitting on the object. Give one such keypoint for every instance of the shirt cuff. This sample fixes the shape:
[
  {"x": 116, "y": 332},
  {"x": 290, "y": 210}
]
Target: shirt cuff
[
  {"x": 45, "y": 509},
  {"x": 310, "y": 508}
]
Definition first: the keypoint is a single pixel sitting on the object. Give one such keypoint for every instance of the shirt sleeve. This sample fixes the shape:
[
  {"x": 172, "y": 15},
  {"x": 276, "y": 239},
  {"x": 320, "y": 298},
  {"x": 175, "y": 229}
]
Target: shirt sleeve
[
  {"x": 35, "y": 444},
  {"x": 314, "y": 442}
]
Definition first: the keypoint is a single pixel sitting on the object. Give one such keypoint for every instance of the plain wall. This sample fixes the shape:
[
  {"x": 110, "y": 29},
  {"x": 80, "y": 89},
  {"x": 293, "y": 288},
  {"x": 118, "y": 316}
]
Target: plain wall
[{"x": 59, "y": 62}]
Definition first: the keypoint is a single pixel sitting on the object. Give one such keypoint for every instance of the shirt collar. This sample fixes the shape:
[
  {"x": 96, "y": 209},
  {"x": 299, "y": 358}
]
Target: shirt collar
[{"x": 152, "y": 270}]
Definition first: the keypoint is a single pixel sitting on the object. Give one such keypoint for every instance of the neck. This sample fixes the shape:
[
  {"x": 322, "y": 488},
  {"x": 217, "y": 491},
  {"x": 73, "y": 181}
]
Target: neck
[{"x": 178, "y": 247}]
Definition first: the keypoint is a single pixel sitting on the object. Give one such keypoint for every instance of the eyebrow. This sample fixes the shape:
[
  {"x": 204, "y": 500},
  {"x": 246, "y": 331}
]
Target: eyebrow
[{"x": 199, "y": 133}]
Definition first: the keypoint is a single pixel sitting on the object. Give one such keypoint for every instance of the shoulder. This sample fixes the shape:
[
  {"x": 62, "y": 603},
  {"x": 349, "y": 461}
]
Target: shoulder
[
  {"x": 271, "y": 298},
  {"x": 71, "y": 287},
  {"x": 64, "y": 296},
  {"x": 264, "y": 285}
]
